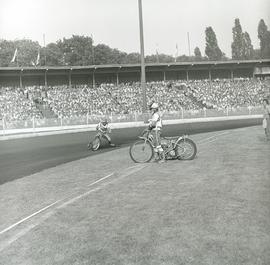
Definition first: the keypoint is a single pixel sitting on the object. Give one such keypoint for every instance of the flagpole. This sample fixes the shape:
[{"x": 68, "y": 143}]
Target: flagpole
[
  {"x": 157, "y": 55},
  {"x": 93, "y": 51},
  {"x": 188, "y": 44},
  {"x": 45, "y": 52},
  {"x": 176, "y": 55},
  {"x": 142, "y": 58}
]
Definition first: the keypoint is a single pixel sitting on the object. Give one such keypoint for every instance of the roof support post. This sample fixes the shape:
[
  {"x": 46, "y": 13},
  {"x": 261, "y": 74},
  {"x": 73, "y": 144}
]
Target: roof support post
[
  {"x": 21, "y": 84},
  {"x": 210, "y": 78},
  {"x": 210, "y": 75},
  {"x": 45, "y": 79},
  {"x": 117, "y": 78},
  {"x": 94, "y": 80},
  {"x": 69, "y": 79}
]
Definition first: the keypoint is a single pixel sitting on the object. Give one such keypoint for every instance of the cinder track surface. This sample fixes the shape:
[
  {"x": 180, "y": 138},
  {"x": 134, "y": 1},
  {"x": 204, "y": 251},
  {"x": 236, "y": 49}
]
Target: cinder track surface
[
  {"x": 105, "y": 209},
  {"x": 22, "y": 157}
]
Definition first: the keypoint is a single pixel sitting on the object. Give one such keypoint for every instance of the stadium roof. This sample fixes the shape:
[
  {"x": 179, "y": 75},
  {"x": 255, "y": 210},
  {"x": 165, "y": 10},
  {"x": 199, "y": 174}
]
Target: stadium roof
[{"x": 112, "y": 67}]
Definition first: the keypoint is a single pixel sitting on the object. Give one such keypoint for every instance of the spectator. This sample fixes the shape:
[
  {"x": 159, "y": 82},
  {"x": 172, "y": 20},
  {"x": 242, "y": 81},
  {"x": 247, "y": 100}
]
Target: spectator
[
  {"x": 15, "y": 105},
  {"x": 266, "y": 116}
]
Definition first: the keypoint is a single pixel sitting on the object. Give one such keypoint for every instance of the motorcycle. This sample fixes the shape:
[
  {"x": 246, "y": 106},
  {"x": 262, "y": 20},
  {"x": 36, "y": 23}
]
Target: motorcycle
[
  {"x": 177, "y": 147},
  {"x": 95, "y": 144}
]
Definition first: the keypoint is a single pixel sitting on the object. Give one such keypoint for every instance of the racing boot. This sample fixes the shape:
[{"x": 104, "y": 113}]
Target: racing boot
[
  {"x": 156, "y": 157},
  {"x": 162, "y": 160}
]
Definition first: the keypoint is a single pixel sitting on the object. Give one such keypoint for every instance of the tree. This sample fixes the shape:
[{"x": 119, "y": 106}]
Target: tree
[
  {"x": 27, "y": 51},
  {"x": 165, "y": 58},
  {"x": 185, "y": 58},
  {"x": 152, "y": 58},
  {"x": 162, "y": 58},
  {"x": 54, "y": 55},
  {"x": 212, "y": 50},
  {"x": 198, "y": 54},
  {"x": 242, "y": 48},
  {"x": 117, "y": 56},
  {"x": 264, "y": 37},
  {"x": 78, "y": 50},
  {"x": 248, "y": 51},
  {"x": 132, "y": 58},
  {"x": 7, "y": 49},
  {"x": 257, "y": 54},
  {"x": 103, "y": 54},
  {"x": 238, "y": 41}
]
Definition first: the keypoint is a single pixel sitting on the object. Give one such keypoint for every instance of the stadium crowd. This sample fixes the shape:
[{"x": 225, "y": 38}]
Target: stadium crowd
[
  {"x": 222, "y": 93},
  {"x": 64, "y": 101},
  {"x": 110, "y": 98},
  {"x": 126, "y": 97},
  {"x": 18, "y": 104}
]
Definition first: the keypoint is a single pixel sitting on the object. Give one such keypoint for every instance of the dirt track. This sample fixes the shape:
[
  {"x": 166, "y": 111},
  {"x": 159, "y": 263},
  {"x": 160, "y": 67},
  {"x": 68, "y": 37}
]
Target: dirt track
[{"x": 22, "y": 157}]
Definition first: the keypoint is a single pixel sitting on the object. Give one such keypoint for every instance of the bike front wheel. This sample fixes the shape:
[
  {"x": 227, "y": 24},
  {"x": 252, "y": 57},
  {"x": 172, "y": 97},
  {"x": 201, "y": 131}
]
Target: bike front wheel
[
  {"x": 94, "y": 145},
  {"x": 141, "y": 151},
  {"x": 186, "y": 149}
]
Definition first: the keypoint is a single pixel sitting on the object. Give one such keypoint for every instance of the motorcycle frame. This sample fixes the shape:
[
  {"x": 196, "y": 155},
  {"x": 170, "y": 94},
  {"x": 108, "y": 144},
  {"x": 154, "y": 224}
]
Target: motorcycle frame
[{"x": 171, "y": 147}]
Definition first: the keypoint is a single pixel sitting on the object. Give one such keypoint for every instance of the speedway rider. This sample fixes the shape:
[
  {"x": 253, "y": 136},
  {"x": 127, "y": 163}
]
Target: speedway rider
[
  {"x": 155, "y": 125},
  {"x": 105, "y": 130}
]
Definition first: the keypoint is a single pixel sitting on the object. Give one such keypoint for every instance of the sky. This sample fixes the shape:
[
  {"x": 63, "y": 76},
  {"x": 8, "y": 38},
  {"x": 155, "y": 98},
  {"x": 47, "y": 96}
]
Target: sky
[{"x": 116, "y": 23}]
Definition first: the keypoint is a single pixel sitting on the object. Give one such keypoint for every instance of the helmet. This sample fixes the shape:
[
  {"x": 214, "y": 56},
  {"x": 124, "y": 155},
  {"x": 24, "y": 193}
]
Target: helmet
[
  {"x": 154, "y": 106},
  {"x": 105, "y": 121}
]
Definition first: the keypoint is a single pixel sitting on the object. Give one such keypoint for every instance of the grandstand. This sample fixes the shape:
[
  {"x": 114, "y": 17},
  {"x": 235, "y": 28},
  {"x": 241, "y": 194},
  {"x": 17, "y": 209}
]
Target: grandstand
[
  {"x": 67, "y": 102},
  {"x": 69, "y": 92}
]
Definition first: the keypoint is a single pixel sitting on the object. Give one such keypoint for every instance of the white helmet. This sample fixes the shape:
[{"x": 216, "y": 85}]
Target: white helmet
[{"x": 154, "y": 106}]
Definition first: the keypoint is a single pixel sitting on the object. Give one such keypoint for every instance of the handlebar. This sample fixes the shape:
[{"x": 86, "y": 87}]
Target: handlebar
[{"x": 145, "y": 133}]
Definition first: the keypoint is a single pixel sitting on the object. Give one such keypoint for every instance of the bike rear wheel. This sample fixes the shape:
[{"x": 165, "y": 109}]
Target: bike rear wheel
[
  {"x": 186, "y": 149},
  {"x": 141, "y": 151}
]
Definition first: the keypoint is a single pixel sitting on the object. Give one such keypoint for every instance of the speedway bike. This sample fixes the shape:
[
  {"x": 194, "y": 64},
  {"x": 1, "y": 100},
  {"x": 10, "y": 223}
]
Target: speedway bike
[
  {"x": 95, "y": 144},
  {"x": 176, "y": 147}
]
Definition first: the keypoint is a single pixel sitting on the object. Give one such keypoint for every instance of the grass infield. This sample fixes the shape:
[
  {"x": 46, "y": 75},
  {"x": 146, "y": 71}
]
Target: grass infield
[{"x": 105, "y": 209}]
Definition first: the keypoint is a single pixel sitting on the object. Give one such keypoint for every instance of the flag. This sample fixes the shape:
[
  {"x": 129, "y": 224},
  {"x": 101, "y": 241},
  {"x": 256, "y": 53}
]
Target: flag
[
  {"x": 14, "y": 56},
  {"x": 38, "y": 58}
]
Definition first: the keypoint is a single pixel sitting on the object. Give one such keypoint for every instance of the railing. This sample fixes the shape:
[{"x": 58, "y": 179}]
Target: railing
[{"x": 35, "y": 123}]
